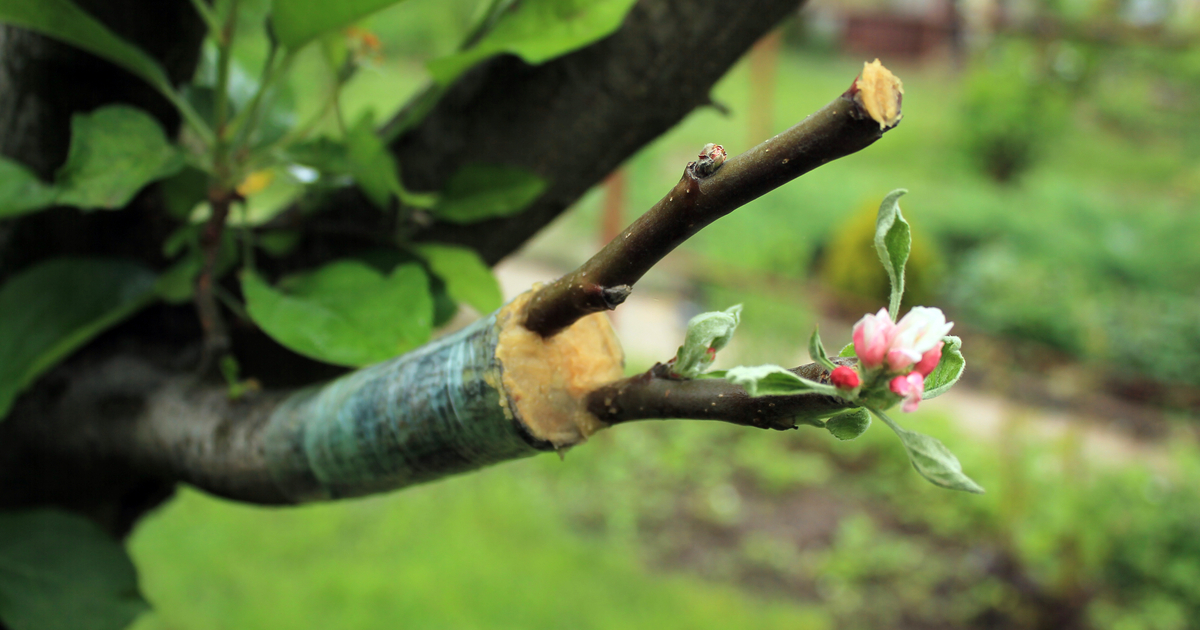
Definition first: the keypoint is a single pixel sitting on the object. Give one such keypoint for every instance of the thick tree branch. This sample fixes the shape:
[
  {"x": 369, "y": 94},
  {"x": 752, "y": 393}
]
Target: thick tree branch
[{"x": 575, "y": 119}]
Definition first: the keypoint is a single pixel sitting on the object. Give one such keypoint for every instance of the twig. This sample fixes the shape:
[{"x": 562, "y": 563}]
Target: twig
[
  {"x": 216, "y": 336},
  {"x": 656, "y": 395},
  {"x": 848, "y": 124}
]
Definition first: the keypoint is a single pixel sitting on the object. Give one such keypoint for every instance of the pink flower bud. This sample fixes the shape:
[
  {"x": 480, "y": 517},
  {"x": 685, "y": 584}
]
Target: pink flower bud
[
  {"x": 929, "y": 360},
  {"x": 844, "y": 377},
  {"x": 911, "y": 387},
  {"x": 872, "y": 335}
]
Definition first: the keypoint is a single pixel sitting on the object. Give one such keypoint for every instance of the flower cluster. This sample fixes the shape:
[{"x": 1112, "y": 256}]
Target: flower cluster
[{"x": 909, "y": 349}]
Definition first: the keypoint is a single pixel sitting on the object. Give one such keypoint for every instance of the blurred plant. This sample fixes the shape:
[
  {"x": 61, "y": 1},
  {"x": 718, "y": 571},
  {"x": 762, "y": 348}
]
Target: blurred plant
[
  {"x": 1010, "y": 110},
  {"x": 846, "y": 264}
]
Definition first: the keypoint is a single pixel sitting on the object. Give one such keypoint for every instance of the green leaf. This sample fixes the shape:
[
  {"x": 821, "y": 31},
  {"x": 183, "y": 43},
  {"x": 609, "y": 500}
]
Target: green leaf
[
  {"x": 346, "y": 312},
  {"x": 847, "y": 350},
  {"x": 370, "y": 163},
  {"x": 21, "y": 191},
  {"x": 115, "y": 151},
  {"x": 59, "y": 571},
  {"x": 183, "y": 191},
  {"x": 932, "y": 459},
  {"x": 483, "y": 191},
  {"x": 949, "y": 369},
  {"x": 62, "y": 20},
  {"x": 704, "y": 332},
  {"x": 816, "y": 350},
  {"x": 538, "y": 31},
  {"x": 468, "y": 279},
  {"x": 297, "y": 22},
  {"x": 50, "y": 310},
  {"x": 849, "y": 425},
  {"x": 764, "y": 380},
  {"x": 893, "y": 240}
]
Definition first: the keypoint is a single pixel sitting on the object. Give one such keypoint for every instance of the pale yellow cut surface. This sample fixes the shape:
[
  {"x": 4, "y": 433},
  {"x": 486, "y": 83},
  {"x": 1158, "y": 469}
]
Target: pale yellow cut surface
[{"x": 880, "y": 93}]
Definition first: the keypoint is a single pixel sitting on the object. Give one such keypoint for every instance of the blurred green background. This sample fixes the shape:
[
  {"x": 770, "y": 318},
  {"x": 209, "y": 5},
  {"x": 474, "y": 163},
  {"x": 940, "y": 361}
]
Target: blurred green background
[{"x": 1054, "y": 178}]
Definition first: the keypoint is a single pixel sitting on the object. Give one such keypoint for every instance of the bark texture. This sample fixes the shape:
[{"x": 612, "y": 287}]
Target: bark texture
[{"x": 69, "y": 441}]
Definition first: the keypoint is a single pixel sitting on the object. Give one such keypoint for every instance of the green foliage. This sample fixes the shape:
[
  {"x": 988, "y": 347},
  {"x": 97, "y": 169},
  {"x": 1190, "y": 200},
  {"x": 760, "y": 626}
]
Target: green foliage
[
  {"x": 893, "y": 241},
  {"x": 849, "y": 425},
  {"x": 483, "y": 191},
  {"x": 949, "y": 369},
  {"x": 1010, "y": 111},
  {"x": 115, "y": 151},
  {"x": 21, "y": 191},
  {"x": 58, "y": 571},
  {"x": 816, "y": 351},
  {"x": 707, "y": 333},
  {"x": 848, "y": 265},
  {"x": 931, "y": 458},
  {"x": 297, "y": 22},
  {"x": 346, "y": 312},
  {"x": 62, "y": 20},
  {"x": 538, "y": 31},
  {"x": 467, "y": 278},
  {"x": 764, "y": 380},
  {"x": 52, "y": 309}
]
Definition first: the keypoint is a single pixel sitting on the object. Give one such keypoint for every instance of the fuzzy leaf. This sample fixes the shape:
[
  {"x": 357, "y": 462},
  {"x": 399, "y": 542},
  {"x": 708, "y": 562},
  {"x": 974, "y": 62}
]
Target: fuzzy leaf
[
  {"x": 297, "y": 22},
  {"x": 467, "y": 278},
  {"x": 849, "y": 425},
  {"x": 816, "y": 350},
  {"x": 486, "y": 191},
  {"x": 847, "y": 351},
  {"x": 932, "y": 459},
  {"x": 62, "y": 20},
  {"x": 21, "y": 191},
  {"x": 704, "y": 331},
  {"x": 949, "y": 369},
  {"x": 346, "y": 312},
  {"x": 764, "y": 380},
  {"x": 50, "y": 310},
  {"x": 538, "y": 31},
  {"x": 115, "y": 151},
  {"x": 59, "y": 571},
  {"x": 893, "y": 240}
]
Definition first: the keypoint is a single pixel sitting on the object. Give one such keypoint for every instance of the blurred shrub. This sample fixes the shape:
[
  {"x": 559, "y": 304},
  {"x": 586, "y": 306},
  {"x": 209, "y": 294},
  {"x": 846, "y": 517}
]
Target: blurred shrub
[
  {"x": 1010, "y": 110},
  {"x": 850, "y": 265}
]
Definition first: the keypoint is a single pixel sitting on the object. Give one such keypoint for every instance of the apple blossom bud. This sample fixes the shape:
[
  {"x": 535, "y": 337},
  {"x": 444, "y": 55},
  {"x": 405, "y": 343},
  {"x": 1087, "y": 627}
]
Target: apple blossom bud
[
  {"x": 872, "y": 336},
  {"x": 915, "y": 334},
  {"x": 929, "y": 360},
  {"x": 911, "y": 387},
  {"x": 844, "y": 377}
]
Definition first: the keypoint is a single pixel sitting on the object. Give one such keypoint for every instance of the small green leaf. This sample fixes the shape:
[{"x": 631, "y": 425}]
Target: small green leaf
[
  {"x": 177, "y": 284},
  {"x": 346, "y": 312},
  {"x": 50, "y": 310},
  {"x": 183, "y": 191},
  {"x": 704, "y": 332},
  {"x": 297, "y": 22},
  {"x": 466, "y": 276},
  {"x": 538, "y": 31},
  {"x": 932, "y": 459},
  {"x": 949, "y": 369},
  {"x": 893, "y": 240},
  {"x": 849, "y": 425},
  {"x": 370, "y": 163},
  {"x": 58, "y": 571},
  {"x": 816, "y": 350},
  {"x": 482, "y": 191},
  {"x": 21, "y": 191},
  {"x": 764, "y": 380},
  {"x": 62, "y": 20},
  {"x": 115, "y": 151},
  {"x": 847, "y": 351}
]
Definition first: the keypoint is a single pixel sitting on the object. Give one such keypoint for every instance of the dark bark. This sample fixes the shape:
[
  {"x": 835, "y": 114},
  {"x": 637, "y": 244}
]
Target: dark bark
[
  {"x": 575, "y": 119},
  {"x": 571, "y": 121}
]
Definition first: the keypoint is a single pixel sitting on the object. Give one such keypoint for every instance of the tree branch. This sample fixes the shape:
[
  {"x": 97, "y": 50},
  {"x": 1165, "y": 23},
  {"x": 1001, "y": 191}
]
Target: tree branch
[
  {"x": 708, "y": 191},
  {"x": 656, "y": 395}
]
